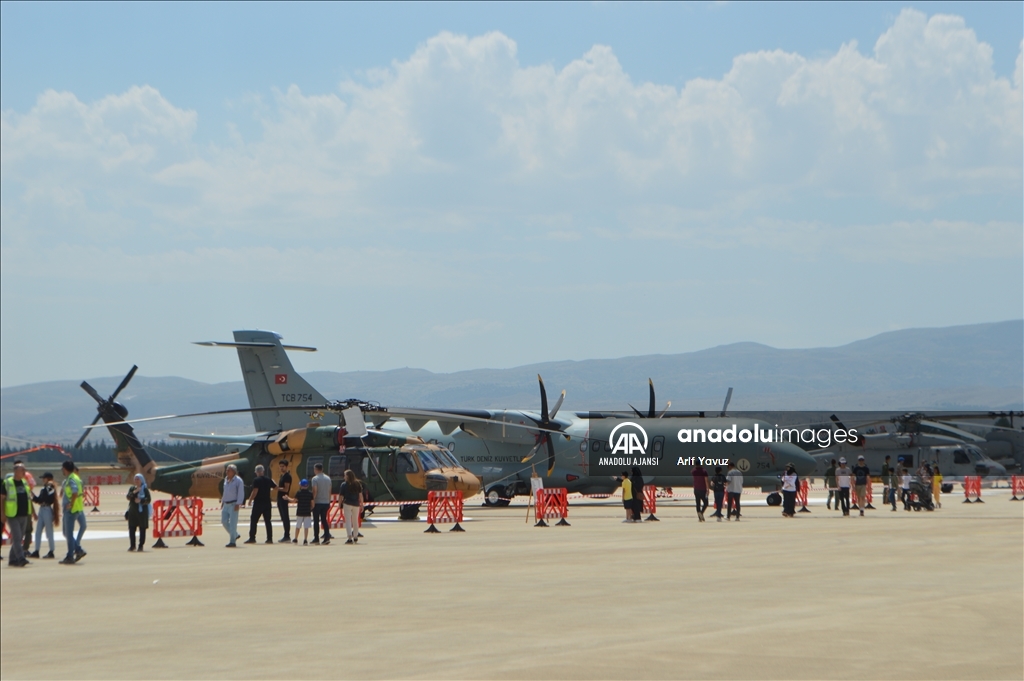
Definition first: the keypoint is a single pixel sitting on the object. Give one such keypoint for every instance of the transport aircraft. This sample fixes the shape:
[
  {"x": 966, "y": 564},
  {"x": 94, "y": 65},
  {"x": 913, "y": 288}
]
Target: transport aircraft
[
  {"x": 394, "y": 467},
  {"x": 503, "y": 448}
]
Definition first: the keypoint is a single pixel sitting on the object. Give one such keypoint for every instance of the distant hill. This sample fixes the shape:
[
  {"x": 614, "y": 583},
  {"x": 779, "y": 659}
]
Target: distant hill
[{"x": 980, "y": 366}]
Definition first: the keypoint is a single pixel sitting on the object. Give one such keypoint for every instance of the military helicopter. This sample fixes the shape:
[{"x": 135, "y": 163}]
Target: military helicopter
[
  {"x": 502, "y": 447},
  {"x": 999, "y": 441},
  {"x": 955, "y": 456},
  {"x": 394, "y": 467}
]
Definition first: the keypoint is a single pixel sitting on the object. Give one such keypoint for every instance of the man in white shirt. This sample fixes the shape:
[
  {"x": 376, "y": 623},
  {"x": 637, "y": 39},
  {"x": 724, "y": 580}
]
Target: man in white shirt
[
  {"x": 733, "y": 490},
  {"x": 320, "y": 485},
  {"x": 843, "y": 475},
  {"x": 230, "y": 501}
]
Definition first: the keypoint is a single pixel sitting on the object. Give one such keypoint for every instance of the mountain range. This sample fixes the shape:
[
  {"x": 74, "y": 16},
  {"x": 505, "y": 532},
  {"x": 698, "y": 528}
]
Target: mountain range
[{"x": 973, "y": 367}]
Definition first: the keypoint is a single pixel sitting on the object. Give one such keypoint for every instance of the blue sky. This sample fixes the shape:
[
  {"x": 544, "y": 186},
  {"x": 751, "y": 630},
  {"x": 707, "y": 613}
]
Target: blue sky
[{"x": 454, "y": 186}]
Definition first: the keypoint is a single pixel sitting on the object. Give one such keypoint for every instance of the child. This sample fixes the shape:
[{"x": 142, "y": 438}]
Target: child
[{"x": 303, "y": 512}]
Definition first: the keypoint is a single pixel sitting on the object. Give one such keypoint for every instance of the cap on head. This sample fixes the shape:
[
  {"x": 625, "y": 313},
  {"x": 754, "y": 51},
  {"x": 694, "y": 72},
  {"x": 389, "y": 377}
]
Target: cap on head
[
  {"x": 842, "y": 459},
  {"x": 304, "y": 483},
  {"x": 47, "y": 475},
  {"x": 860, "y": 458}
]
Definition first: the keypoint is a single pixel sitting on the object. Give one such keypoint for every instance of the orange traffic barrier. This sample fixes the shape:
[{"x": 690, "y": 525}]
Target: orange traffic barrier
[
  {"x": 801, "y": 495},
  {"x": 91, "y": 497},
  {"x": 444, "y": 507},
  {"x": 336, "y": 513},
  {"x": 178, "y": 517},
  {"x": 972, "y": 485},
  {"x": 1017, "y": 484},
  {"x": 651, "y": 501},
  {"x": 551, "y": 503}
]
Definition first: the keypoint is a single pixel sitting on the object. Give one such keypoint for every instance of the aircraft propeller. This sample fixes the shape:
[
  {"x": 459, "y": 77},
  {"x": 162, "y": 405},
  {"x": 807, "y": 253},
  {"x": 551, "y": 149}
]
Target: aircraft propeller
[
  {"x": 547, "y": 426},
  {"x": 108, "y": 406},
  {"x": 651, "y": 414}
]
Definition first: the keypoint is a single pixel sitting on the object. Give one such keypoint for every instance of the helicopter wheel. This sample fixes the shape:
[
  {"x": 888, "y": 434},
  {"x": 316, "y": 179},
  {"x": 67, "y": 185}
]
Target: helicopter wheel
[
  {"x": 774, "y": 499},
  {"x": 496, "y": 497},
  {"x": 409, "y": 511}
]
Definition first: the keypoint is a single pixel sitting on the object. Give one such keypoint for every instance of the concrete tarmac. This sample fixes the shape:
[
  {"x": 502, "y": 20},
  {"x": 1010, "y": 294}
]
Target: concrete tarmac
[{"x": 887, "y": 596}]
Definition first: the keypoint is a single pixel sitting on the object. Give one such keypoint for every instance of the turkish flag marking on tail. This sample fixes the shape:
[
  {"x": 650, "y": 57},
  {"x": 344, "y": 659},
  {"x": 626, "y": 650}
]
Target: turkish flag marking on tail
[{"x": 280, "y": 379}]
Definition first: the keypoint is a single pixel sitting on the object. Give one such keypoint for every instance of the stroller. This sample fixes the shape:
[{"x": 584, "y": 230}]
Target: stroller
[{"x": 921, "y": 496}]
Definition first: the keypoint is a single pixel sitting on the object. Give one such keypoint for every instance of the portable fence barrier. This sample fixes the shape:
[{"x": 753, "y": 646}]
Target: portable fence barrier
[
  {"x": 104, "y": 480},
  {"x": 972, "y": 485},
  {"x": 179, "y": 517},
  {"x": 1017, "y": 485},
  {"x": 651, "y": 501},
  {"x": 801, "y": 495},
  {"x": 91, "y": 497},
  {"x": 336, "y": 513},
  {"x": 444, "y": 507},
  {"x": 552, "y": 503}
]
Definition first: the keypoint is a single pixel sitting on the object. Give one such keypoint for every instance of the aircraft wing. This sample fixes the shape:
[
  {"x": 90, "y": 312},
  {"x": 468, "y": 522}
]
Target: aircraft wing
[{"x": 497, "y": 426}]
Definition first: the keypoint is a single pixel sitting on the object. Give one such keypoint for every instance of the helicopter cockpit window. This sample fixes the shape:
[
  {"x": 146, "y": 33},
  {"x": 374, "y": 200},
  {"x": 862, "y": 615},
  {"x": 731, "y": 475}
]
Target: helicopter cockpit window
[
  {"x": 975, "y": 454},
  {"x": 960, "y": 456},
  {"x": 446, "y": 458},
  {"x": 428, "y": 460},
  {"x": 405, "y": 462}
]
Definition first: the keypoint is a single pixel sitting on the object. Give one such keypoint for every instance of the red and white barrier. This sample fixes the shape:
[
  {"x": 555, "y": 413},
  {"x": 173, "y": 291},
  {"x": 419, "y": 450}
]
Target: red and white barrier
[
  {"x": 972, "y": 485},
  {"x": 104, "y": 480},
  {"x": 180, "y": 517},
  {"x": 444, "y": 507},
  {"x": 91, "y": 497},
  {"x": 651, "y": 501},
  {"x": 801, "y": 495},
  {"x": 1017, "y": 485},
  {"x": 552, "y": 503},
  {"x": 855, "y": 501}
]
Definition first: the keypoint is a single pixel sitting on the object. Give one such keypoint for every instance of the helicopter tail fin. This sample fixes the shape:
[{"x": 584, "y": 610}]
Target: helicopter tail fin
[{"x": 271, "y": 380}]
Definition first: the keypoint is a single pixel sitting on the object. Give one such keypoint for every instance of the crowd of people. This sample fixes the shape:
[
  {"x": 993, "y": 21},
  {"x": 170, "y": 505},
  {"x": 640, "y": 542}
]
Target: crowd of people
[{"x": 21, "y": 507}]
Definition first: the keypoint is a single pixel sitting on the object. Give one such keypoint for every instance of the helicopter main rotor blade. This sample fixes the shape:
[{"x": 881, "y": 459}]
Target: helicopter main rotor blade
[
  {"x": 92, "y": 393},
  {"x": 124, "y": 382}
]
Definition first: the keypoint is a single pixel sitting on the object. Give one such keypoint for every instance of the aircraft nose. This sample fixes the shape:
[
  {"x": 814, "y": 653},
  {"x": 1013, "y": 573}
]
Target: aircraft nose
[
  {"x": 803, "y": 462},
  {"x": 468, "y": 483}
]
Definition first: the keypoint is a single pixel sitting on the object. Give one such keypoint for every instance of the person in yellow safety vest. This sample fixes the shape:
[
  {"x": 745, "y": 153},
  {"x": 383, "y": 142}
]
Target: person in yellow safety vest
[
  {"x": 74, "y": 511},
  {"x": 15, "y": 511}
]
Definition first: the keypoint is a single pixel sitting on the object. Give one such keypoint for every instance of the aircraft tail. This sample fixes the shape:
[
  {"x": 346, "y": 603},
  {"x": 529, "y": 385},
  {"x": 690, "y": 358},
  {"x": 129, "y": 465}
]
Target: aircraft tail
[{"x": 271, "y": 381}]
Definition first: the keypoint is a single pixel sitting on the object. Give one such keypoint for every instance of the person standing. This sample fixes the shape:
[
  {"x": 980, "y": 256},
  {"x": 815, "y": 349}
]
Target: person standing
[
  {"x": 843, "y": 475},
  {"x": 905, "y": 479},
  {"x": 303, "y": 511},
  {"x": 886, "y": 466},
  {"x": 137, "y": 515},
  {"x": 861, "y": 478},
  {"x": 638, "y": 495},
  {"x": 718, "y": 483},
  {"x": 321, "y": 504},
  {"x": 894, "y": 484},
  {"x": 47, "y": 514},
  {"x": 700, "y": 490},
  {"x": 74, "y": 512},
  {"x": 789, "y": 480},
  {"x": 230, "y": 502},
  {"x": 284, "y": 489},
  {"x": 734, "y": 488},
  {"x": 627, "y": 496},
  {"x": 15, "y": 510},
  {"x": 936, "y": 489},
  {"x": 260, "y": 499},
  {"x": 830, "y": 483},
  {"x": 351, "y": 494}
]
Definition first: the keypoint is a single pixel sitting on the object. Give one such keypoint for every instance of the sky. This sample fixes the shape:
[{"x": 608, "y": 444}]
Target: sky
[{"x": 455, "y": 186}]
